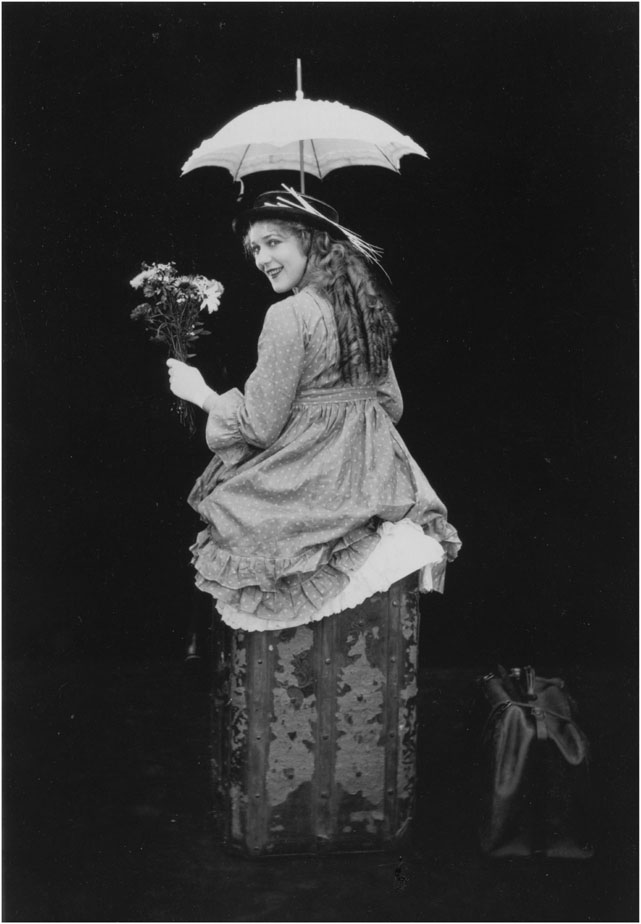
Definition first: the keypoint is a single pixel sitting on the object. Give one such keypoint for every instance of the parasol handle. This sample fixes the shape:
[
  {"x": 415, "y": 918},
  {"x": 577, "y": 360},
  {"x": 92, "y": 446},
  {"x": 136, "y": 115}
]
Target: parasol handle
[{"x": 299, "y": 95}]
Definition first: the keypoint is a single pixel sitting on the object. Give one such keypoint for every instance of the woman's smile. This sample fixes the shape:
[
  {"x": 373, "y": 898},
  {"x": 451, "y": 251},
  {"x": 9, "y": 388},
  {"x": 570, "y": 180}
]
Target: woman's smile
[{"x": 278, "y": 254}]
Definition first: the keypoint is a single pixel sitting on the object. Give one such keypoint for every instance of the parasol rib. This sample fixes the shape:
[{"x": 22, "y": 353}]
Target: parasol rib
[
  {"x": 240, "y": 163},
  {"x": 311, "y": 141},
  {"x": 390, "y": 162}
]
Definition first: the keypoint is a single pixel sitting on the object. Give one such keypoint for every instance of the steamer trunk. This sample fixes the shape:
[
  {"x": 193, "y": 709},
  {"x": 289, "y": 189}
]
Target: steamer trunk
[{"x": 314, "y": 730}]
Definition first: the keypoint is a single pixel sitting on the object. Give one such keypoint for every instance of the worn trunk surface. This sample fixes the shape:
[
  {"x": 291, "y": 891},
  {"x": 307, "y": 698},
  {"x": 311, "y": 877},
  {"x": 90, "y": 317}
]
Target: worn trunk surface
[{"x": 314, "y": 730}]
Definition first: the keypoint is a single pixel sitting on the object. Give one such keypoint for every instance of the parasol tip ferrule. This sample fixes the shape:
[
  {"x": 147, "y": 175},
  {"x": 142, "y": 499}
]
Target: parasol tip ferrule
[{"x": 299, "y": 79}]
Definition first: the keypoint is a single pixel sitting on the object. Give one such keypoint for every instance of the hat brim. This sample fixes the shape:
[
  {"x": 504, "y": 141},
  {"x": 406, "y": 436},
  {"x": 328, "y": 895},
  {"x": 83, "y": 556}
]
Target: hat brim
[{"x": 243, "y": 222}]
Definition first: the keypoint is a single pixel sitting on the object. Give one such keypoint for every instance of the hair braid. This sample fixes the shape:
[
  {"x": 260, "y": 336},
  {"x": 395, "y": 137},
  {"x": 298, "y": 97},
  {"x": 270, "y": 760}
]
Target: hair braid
[{"x": 364, "y": 319}]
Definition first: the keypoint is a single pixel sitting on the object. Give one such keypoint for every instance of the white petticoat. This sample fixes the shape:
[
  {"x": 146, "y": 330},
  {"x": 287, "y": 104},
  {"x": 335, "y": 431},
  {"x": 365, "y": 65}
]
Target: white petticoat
[{"x": 404, "y": 548}]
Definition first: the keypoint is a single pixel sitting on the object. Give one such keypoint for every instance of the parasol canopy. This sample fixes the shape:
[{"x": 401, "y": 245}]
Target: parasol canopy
[{"x": 313, "y": 136}]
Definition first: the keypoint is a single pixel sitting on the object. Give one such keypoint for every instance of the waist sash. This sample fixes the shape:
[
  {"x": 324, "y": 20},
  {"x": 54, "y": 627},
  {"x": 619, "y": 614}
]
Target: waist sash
[{"x": 336, "y": 395}]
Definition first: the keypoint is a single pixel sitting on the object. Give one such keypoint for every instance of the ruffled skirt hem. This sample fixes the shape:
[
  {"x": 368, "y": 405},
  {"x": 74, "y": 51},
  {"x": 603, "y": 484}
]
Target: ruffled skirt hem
[{"x": 364, "y": 563}]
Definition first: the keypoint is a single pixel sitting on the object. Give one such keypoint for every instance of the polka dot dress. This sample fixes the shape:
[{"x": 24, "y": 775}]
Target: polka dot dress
[{"x": 304, "y": 470}]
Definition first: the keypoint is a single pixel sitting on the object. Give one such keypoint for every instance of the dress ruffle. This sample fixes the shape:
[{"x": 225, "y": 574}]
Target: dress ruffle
[
  {"x": 292, "y": 589},
  {"x": 403, "y": 549}
]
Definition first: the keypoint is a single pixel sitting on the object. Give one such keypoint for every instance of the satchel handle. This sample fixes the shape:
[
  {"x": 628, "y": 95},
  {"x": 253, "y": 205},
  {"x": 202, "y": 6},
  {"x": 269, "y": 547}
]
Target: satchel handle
[
  {"x": 540, "y": 714},
  {"x": 506, "y": 703},
  {"x": 530, "y": 678}
]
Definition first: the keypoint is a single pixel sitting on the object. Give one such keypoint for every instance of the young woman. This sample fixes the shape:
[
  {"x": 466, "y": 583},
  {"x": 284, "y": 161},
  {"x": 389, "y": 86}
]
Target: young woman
[{"x": 312, "y": 501}]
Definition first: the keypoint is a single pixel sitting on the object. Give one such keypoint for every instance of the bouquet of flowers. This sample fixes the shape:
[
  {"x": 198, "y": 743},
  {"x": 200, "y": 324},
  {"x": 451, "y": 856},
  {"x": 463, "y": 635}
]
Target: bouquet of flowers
[{"x": 172, "y": 313}]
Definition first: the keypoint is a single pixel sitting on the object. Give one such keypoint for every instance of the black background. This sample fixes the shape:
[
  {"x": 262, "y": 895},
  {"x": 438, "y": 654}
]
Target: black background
[{"x": 513, "y": 251}]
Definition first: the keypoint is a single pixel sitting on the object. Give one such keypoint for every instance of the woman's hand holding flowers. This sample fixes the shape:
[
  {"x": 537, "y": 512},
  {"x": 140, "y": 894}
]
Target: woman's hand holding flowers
[
  {"x": 172, "y": 315},
  {"x": 187, "y": 383}
]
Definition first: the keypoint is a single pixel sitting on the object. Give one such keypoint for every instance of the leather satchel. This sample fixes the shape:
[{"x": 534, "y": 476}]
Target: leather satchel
[{"x": 535, "y": 797}]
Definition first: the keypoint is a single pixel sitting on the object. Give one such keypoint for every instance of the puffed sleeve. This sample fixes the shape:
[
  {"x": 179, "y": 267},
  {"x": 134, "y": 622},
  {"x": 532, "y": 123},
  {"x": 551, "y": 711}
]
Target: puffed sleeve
[
  {"x": 389, "y": 395},
  {"x": 238, "y": 423}
]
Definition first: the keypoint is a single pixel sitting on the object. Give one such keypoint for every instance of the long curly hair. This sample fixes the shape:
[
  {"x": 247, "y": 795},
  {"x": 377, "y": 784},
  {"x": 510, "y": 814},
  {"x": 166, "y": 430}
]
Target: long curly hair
[{"x": 363, "y": 306}]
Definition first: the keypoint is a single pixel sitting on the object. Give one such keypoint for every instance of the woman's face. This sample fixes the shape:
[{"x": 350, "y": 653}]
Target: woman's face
[{"x": 277, "y": 253}]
